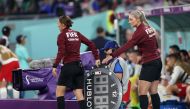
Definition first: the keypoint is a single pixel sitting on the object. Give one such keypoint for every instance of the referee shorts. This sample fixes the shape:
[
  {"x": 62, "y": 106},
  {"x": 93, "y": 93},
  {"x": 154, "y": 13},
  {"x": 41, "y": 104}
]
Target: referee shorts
[
  {"x": 72, "y": 75},
  {"x": 151, "y": 71}
]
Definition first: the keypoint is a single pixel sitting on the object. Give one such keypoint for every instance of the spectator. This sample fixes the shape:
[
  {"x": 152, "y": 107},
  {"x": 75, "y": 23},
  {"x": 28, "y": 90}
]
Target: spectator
[
  {"x": 134, "y": 57},
  {"x": 69, "y": 8},
  {"x": 100, "y": 41},
  {"x": 174, "y": 49},
  {"x": 9, "y": 62},
  {"x": 185, "y": 56},
  {"x": 162, "y": 89},
  {"x": 45, "y": 7},
  {"x": 180, "y": 78},
  {"x": 127, "y": 35},
  {"x": 189, "y": 53},
  {"x": 11, "y": 7},
  {"x": 2, "y": 7},
  {"x": 6, "y": 31},
  {"x": 22, "y": 52},
  {"x": 24, "y": 59},
  {"x": 30, "y": 6},
  {"x": 77, "y": 9},
  {"x": 85, "y": 7},
  {"x": 58, "y": 7},
  {"x": 165, "y": 78}
]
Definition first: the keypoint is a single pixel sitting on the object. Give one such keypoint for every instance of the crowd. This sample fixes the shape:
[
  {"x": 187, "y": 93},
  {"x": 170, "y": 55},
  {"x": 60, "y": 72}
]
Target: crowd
[{"x": 76, "y": 8}]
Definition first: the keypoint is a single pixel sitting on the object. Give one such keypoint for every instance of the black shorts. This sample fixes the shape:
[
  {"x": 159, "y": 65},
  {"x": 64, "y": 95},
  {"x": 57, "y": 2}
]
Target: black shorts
[
  {"x": 72, "y": 75},
  {"x": 151, "y": 71}
]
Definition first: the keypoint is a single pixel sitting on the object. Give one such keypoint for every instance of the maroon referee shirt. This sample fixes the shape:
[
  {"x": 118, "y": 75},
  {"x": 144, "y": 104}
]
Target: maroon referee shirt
[
  {"x": 69, "y": 42},
  {"x": 144, "y": 38}
]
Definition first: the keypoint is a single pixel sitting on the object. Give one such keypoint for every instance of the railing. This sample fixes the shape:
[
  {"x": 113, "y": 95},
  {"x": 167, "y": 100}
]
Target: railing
[{"x": 31, "y": 16}]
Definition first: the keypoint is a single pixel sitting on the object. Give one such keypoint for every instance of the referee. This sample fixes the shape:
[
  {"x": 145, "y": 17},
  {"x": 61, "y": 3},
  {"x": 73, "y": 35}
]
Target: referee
[
  {"x": 144, "y": 38},
  {"x": 72, "y": 73}
]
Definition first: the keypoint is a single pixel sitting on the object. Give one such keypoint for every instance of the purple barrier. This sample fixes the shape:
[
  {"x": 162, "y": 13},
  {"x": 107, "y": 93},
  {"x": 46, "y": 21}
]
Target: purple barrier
[
  {"x": 35, "y": 104},
  {"x": 43, "y": 80}
]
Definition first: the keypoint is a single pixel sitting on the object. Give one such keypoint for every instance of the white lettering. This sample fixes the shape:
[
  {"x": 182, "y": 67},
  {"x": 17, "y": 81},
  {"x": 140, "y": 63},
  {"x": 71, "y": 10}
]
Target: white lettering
[{"x": 89, "y": 93}]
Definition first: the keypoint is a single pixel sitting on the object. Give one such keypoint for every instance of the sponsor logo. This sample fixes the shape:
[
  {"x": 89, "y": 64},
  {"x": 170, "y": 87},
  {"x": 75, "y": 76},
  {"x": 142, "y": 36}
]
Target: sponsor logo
[{"x": 32, "y": 79}]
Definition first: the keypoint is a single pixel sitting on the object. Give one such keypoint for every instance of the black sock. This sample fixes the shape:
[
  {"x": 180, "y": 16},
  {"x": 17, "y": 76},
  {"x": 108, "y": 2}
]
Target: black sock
[
  {"x": 61, "y": 102},
  {"x": 82, "y": 104},
  {"x": 155, "y": 101},
  {"x": 143, "y": 101}
]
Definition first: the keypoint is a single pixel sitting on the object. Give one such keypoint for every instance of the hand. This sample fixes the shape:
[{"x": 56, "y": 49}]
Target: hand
[
  {"x": 97, "y": 63},
  {"x": 54, "y": 72},
  {"x": 107, "y": 59}
]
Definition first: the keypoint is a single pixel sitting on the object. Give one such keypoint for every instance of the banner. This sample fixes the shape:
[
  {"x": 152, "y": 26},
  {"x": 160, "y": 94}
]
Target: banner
[{"x": 43, "y": 80}]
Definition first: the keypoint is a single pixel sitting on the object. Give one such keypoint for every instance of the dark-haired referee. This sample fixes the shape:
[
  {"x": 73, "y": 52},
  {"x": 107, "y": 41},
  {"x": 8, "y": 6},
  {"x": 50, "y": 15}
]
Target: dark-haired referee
[{"x": 72, "y": 74}]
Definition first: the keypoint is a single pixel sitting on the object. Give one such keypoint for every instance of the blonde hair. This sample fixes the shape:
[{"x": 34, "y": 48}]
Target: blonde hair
[{"x": 139, "y": 15}]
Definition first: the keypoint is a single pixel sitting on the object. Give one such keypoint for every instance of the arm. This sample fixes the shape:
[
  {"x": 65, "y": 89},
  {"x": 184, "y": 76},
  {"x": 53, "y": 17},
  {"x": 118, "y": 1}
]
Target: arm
[
  {"x": 61, "y": 49},
  {"x": 135, "y": 39},
  {"x": 175, "y": 75},
  {"x": 26, "y": 55},
  {"x": 90, "y": 44}
]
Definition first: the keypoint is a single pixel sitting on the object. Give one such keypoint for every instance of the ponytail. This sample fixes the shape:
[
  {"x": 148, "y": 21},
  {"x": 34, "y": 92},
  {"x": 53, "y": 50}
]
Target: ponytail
[
  {"x": 143, "y": 18},
  {"x": 141, "y": 15},
  {"x": 66, "y": 20}
]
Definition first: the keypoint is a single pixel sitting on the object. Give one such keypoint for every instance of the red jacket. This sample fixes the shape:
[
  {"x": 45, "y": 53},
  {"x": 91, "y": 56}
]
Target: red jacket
[
  {"x": 144, "y": 38},
  {"x": 69, "y": 42}
]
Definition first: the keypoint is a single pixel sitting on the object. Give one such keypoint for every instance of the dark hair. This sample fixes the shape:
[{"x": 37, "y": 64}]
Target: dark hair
[
  {"x": 184, "y": 52},
  {"x": 6, "y": 30},
  {"x": 175, "y": 48},
  {"x": 2, "y": 42},
  {"x": 19, "y": 39},
  {"x": 66, "y": 20},
  {"x": 99, "y": 30},
  {"x": 175, "y": 56}
]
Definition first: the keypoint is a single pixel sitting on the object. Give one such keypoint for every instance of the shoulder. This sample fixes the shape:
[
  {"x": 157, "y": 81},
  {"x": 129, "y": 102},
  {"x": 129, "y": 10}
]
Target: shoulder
[
  {"x": 119, "y": 62},
  {"x": 139, "y": 32},
  {"x": 178, "y": 69},
  {"x": 61, "y": 35}
]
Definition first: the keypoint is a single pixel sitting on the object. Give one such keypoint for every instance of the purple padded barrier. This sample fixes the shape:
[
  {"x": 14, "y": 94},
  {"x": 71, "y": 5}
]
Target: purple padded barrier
[
  {"x": 43, "y": 80},
  {"x": 35, "y": 104}
]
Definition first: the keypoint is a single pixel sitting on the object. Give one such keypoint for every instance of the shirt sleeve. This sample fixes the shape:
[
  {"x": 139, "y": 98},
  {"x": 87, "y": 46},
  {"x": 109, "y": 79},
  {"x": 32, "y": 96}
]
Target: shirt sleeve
[
  {"x": 25, "y": 54},
  {"x": 118, "y": 68},
  {"x": 135, "y": 39},
  {"x": 175, "y": 75},
  {"x": 22, "y": 53},
  {"x": 61, "y": 49},
  {"x": 90, "y": 44}
]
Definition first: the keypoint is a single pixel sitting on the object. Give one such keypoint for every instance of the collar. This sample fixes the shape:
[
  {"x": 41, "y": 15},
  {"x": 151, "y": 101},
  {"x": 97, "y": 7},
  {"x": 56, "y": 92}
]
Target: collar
[
  {"x": 5, "y": 37},
  {"x": 121, "y": 58},
  {"x": 64, "y": 29},
  {"x": 141, "y": 25}
]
